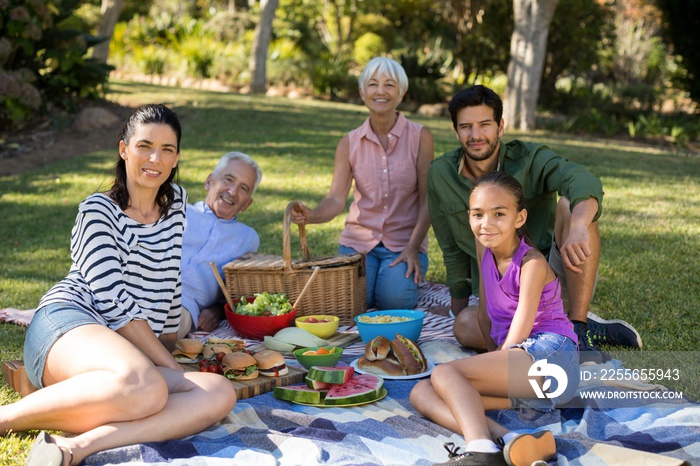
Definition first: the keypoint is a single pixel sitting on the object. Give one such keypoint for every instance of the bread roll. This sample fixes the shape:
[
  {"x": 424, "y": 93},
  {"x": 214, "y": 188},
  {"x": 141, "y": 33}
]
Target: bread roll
[{"x": 377, "y": 348}]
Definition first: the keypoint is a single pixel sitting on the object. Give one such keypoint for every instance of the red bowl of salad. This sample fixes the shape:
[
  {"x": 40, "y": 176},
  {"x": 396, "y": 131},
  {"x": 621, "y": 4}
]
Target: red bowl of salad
[{"x": 264, "y": 314}]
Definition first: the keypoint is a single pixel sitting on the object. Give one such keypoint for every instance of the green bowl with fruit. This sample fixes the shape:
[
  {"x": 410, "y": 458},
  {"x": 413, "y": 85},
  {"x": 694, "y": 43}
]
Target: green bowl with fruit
[
  {"x": 324, "y": 356},
  {"x": 323, "y": 326}
]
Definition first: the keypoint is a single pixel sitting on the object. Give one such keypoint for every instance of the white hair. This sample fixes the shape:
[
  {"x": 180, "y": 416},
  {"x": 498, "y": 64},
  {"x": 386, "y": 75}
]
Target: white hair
[
  {"x": 384, "y": 66},
  {"x": 223, "y": 162}
]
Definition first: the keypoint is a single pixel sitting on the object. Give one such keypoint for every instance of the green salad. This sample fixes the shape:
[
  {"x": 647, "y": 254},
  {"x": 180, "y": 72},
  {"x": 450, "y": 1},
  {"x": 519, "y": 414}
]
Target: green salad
[{"x": 265, "y": 304}]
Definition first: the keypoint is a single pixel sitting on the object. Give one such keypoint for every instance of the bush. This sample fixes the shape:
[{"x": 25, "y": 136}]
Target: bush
[
  {"x": 43, "y": 59},
  {"x": 424, "y": 77},
  {"x": 368, "y": 46}
]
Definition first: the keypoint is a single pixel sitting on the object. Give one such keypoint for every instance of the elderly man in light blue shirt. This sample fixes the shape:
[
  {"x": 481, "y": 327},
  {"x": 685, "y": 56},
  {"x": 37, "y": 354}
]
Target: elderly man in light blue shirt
[{"x": 214, "y": 234}]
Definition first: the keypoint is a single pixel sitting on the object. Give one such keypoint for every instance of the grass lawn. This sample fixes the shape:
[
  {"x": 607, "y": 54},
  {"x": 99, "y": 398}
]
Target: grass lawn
[{"x": 650, "y": 265}]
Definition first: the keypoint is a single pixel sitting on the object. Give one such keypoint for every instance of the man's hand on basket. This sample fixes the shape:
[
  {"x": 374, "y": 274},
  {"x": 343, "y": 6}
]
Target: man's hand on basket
[{"x": 410, "y": 257}]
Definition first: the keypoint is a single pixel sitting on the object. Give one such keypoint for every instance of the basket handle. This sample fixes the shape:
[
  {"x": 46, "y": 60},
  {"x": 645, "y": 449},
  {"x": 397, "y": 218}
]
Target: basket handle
[{"x": 287, "y": 240}]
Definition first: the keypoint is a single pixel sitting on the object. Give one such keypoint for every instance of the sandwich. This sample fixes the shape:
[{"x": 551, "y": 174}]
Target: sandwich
[
  {"x": 378, "y": 348},
  {"x": 239, "y": 366},
  {"x": 271, "y": 363},
  {"x": 409, "y": 355},
  {"x": 187, "y": 350},
  {"x": 211, "y": 350},
  {"x": 396, "y": 358},
  {"x": 234, "y": 344},
  {"x": 387, "y": 366}
]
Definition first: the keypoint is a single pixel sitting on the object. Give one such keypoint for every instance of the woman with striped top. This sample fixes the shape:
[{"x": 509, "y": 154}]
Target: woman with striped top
[{"x": 98, "y": 346}]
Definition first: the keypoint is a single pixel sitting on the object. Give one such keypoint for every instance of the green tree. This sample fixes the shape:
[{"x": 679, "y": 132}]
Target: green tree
[
  {"x": 528, "y": 47},
  {"x": 261, "y": 44}
]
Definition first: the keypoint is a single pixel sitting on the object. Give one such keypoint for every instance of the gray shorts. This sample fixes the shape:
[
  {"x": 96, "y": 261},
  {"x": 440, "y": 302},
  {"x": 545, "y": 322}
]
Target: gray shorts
[{"x": 49, "y": 324}]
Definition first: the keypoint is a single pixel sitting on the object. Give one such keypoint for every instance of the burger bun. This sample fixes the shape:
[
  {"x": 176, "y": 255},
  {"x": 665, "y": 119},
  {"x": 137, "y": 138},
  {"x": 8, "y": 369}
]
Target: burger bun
[{"x": 271, "y": 363}]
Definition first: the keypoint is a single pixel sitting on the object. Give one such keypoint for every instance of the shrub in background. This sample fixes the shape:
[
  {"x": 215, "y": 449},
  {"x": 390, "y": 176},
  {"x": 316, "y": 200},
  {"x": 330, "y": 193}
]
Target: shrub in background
[{"x": 43, "y": 60}]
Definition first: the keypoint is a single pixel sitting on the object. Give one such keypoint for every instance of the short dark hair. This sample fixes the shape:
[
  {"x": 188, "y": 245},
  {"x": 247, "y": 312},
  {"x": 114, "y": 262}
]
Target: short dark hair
[
  {"x": 473, "y": 96},
  {"x": 144, "y": 115}
]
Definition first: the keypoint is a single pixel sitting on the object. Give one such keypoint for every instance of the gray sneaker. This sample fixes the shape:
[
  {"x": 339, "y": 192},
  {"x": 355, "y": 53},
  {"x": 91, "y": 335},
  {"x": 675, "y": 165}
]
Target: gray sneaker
[
  {"x": 613, "y": 332},
  {"x": 471, "y": 458}
]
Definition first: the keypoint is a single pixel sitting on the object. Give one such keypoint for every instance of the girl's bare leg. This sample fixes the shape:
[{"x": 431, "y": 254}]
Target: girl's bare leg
[{"x": 458, "y": 393}]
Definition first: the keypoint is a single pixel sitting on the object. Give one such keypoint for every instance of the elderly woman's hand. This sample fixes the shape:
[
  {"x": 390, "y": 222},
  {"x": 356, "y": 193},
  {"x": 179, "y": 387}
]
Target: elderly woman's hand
[
  {"x": 410, "y": 257},
  {"x": 300, "y": 214}
]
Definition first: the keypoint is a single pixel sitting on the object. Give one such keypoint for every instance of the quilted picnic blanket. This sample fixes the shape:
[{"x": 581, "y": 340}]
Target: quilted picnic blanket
[{"x": 265, "y": 431}]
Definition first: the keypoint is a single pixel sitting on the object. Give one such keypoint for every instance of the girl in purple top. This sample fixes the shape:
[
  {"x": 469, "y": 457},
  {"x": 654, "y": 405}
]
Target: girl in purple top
[{"x": 532, "y": 359}]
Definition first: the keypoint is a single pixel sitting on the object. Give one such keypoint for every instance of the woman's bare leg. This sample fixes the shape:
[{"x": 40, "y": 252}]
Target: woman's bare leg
[
  {"x": 101, "y": 386},
  {"x": 198, "y": 401}
]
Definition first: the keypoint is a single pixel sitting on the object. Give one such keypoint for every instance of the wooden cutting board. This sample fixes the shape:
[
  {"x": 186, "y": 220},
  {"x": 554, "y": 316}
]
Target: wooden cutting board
[{"x": 261, "y": 384}]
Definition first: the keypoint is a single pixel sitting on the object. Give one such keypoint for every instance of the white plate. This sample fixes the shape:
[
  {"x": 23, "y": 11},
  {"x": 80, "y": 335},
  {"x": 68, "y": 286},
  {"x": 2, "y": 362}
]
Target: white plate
[{"x": 431, "y": 366}]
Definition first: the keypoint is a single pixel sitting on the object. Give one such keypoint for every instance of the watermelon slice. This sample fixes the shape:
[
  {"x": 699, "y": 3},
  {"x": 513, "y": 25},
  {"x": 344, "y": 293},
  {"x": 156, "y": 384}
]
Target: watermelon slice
[
  {"x": 331, "y": 374},
  {"x": 316, "y": 385},
  {"x": 351, "y": 392},
  {"x": 369, "y": 381},
  {"x": 300, "y": 393}
]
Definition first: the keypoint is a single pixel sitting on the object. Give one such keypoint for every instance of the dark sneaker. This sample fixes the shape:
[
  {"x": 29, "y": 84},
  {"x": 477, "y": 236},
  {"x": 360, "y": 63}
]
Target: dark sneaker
[
  {"x": 526, "y": 449},
  {"x": 613, "y": 332},
  {"x": 471, "y": 458},
  {"x": 588, "y": 350}
]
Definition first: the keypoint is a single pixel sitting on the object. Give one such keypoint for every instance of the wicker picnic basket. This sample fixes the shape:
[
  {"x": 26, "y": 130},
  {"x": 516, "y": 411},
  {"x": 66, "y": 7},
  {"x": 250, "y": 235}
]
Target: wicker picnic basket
[{"x": 339, "y": 287}]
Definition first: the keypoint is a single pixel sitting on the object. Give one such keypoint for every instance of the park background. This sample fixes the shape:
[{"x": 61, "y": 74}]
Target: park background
[{"x": 615, "y": 97}]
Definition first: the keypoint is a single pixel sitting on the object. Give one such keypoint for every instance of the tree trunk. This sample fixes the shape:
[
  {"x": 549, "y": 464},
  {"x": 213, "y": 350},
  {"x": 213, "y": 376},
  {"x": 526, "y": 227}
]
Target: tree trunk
[
  {"x": 528, "y": 47},
  {"x": 109, "y": 14},
  {"x": 261, "y": 44}
]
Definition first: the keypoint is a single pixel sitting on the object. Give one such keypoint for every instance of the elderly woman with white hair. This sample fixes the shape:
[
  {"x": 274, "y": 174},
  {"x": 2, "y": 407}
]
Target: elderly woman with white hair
[{"x": 387, "y": 157}]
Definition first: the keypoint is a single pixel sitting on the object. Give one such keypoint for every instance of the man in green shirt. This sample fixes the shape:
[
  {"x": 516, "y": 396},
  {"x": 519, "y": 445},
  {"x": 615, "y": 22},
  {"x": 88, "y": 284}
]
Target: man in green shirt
[{"x": 565, "y": 230}]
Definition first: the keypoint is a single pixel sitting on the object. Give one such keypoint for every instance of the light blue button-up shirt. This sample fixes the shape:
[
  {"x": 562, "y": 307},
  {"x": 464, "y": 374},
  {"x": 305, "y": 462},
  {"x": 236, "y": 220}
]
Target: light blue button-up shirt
[{"x": 208, "y": 238}]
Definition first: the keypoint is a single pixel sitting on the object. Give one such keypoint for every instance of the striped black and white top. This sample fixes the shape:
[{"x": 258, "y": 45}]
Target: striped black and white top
[{"x": 124, "y": 270}]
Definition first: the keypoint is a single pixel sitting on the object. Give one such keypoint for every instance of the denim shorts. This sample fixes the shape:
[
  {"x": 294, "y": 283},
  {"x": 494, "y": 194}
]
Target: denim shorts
[
  {"x": 49, "y": 324},
  {"x": 557, "y": 355}
]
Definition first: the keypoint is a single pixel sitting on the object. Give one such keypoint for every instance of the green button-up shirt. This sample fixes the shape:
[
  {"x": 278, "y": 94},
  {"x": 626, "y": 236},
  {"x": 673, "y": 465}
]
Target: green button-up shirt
[{"x": 540, "y": 171}]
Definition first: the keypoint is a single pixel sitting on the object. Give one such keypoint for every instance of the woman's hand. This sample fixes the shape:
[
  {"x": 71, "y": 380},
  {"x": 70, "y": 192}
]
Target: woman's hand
[
  {"x": 300, "y": 214},
  {"x": 410, "y": 257},
  {"x": 140, "y": 334}
]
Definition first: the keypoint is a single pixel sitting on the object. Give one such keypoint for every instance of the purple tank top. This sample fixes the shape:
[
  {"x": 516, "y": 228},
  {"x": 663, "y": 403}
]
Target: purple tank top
[{"x": 502, "y": 299}]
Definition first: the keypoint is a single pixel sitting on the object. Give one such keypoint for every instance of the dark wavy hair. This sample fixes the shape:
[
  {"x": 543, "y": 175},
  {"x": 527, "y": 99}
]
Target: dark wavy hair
[
  {"x": 510, "y": 184},
  {"x": 472, "y": 97},
  {"x": 145, "y": 115}
]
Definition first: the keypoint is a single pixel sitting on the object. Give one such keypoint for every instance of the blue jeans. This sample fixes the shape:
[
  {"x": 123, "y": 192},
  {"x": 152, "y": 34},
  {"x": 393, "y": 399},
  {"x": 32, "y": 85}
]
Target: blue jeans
[{"x": 388, "y": 287}]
